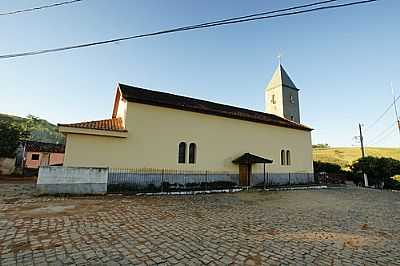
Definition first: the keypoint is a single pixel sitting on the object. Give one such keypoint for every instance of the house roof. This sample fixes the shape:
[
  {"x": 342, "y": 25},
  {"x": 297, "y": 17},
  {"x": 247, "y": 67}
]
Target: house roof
[
  {"x": 249, "y": 158},
  {"x": 163, "y": 99},
  {"x": 35, "y": 146},
  {"x": 281, "y": 78},
  {"x": 113, "y": 124}
]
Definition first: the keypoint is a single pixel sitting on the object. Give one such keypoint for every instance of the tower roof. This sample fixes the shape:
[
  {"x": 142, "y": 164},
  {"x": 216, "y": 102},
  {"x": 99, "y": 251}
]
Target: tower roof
[{"x": 281, "y": 78}]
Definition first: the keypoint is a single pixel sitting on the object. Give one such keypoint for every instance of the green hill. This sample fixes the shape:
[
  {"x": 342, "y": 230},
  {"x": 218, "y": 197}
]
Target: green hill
[
  {"x": 41, "y": 130},
  {"x": 345, "y": 156}
]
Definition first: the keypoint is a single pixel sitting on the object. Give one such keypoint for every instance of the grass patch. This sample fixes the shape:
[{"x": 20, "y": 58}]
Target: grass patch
[{"x": 346, "y": 156}]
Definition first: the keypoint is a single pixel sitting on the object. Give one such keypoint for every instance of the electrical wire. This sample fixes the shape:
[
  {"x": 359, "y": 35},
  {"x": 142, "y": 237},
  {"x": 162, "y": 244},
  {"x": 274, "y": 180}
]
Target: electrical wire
[
  {"x": 383, "y": 132},
  {"x": 187, "y": 28},
  {"x": 382, "y": 115},
  {"x": 383, "y": 137},
  {"x": 39, "y": 8}
]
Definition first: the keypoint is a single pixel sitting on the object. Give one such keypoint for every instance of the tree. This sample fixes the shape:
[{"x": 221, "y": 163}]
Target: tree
[
  {"x": 378, "y": 170},
  {"x": 10, "y": 137},
  {"x": 41, "y": 130}
]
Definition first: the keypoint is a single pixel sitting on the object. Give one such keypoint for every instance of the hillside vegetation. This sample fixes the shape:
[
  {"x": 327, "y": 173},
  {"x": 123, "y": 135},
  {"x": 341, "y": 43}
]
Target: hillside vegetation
[
  {"x": 41, "y": 130},
  {"x": 345, "y": 156}
]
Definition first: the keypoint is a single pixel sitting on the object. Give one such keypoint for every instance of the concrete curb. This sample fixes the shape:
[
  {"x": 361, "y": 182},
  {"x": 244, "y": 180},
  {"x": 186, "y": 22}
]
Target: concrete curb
[
  {"x": 190, "y": 192},
  {"x": 295, "y": 188}
]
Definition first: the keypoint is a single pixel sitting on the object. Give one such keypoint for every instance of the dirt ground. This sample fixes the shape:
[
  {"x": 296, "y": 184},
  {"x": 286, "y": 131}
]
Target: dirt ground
[
  {"x": 350, "y": 226},
  {"x": 17, "y": 180}
]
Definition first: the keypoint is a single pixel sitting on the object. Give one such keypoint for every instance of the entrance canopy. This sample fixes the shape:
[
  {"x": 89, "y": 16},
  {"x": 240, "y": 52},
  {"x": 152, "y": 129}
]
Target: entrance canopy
[{"x": 249, "y": 158}]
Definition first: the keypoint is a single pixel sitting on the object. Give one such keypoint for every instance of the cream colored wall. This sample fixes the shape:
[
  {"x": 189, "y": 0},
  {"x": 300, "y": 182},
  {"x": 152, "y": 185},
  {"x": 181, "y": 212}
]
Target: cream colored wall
[
  {"x": 122, "y": 109},
  {"x": 154, "y": 134},
  {"x": 283, "y": 107}
]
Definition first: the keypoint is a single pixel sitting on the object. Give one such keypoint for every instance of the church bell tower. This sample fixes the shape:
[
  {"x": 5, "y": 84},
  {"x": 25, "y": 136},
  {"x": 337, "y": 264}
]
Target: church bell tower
[{"x": 282, "y": 96}]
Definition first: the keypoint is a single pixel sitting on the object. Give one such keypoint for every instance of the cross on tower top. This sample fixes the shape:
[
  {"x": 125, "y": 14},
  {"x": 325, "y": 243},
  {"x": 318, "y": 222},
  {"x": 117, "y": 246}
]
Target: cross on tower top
[{"x": 280, "y": 55}]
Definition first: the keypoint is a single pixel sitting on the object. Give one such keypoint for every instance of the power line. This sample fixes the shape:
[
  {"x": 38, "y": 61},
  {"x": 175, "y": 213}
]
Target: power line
[
  {"x": 267, "y": 13},
  {"x": 74, "y": 1},
  {"x": 192, "y": 27},
  {"x": 383, "y": 114},
  {"x": 39, "y": 8},
  {"x": 383, "y": 132},
  {"x": 389, "y": 133}
]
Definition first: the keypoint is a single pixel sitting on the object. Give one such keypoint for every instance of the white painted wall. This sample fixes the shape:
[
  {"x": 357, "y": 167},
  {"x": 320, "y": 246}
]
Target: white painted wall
[{"x": 72, "y": 180}]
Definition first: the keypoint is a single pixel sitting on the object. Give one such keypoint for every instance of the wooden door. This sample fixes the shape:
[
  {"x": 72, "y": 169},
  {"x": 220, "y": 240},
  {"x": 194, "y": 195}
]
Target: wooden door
[{"x": 244, "y": 174}]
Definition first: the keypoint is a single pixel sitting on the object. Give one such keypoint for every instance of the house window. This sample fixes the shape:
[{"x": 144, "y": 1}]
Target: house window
[
  {"x": 35, "y": 157},
  {"x": 288, "y": 162},
  {"x": 182, "y": 153},
  {"x": 283, "y": 157},
  {"x": 273, "y": 100},
  {"x": 192, "y": 153}
]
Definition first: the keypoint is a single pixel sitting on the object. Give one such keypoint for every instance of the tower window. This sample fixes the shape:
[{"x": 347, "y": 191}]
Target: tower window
[
  {"x": 291, "y": 99},
  {"x": 288, "y": 162},
  {"x": 291, "y": 118},
  {"x": 273, "y": 100},
  {"x": 182, "y": 153}
]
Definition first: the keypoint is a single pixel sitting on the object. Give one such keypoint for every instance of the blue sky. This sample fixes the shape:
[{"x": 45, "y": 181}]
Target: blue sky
[{"x": 343, "y": 60}]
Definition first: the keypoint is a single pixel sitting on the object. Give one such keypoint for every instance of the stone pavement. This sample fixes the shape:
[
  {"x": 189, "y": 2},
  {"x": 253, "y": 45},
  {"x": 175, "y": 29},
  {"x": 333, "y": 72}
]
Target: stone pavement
[{"x": 347, "y": 226}]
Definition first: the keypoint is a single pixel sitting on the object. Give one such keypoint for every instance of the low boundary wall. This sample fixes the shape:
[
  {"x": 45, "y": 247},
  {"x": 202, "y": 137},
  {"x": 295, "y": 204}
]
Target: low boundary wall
[
  {"x": 7, "y": 166},
  {"x": 72, "y": 180}
]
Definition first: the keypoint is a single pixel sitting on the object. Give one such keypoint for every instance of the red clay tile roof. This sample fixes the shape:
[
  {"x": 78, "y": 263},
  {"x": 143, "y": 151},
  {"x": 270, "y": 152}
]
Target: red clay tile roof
[
  {"x": 113, "y": 124},
  {"x": 157, "y": 98}
]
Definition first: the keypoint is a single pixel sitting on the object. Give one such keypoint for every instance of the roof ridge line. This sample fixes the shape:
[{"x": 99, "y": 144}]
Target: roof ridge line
[{"x": 180, "y": 102}]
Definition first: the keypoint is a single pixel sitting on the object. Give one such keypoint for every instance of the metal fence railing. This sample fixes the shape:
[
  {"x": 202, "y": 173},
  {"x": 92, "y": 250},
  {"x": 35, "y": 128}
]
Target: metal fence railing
[
  {"x": 164, "y": 180},
  {"x": 280, "y": 179}
]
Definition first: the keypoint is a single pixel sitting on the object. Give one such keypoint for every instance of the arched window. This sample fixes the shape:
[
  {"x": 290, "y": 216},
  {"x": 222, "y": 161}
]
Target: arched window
[
  {"x": 192, "y": 153},
  {"x": 288, "y": 162},
  {"x": 182, "y": 153},
  {"x": 283, "y": 157}
]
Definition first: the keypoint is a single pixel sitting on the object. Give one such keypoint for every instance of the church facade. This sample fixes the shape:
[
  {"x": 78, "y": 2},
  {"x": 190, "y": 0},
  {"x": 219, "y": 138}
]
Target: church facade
[{"x": 152, "y": 129}]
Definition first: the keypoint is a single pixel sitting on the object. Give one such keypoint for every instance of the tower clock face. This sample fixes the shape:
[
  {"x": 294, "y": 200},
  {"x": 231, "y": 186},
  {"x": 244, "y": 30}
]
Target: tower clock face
[{"x": 291, "y": 98}]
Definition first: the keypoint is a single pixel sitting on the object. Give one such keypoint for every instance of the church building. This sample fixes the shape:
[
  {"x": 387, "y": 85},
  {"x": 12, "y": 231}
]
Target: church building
[{"x": 154, "y": 129}]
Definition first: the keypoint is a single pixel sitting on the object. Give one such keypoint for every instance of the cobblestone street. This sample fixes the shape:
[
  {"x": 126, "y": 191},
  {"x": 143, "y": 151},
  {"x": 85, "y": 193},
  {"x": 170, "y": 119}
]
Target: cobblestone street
[{"x": 333, "y": 226}]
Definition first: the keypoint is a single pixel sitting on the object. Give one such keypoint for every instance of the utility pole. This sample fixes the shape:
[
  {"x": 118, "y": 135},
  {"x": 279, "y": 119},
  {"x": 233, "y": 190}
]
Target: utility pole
[
  {"x": 363, "y": 155},
  {"x": 361, "y": 141}
]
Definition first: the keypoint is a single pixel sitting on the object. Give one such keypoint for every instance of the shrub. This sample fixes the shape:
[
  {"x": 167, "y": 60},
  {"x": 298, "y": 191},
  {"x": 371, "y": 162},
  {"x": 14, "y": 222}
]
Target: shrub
[
  {"x": 391, "y": 183},
  {"x": 151, "y": 188},
  {"x": 331, "y": 168},
  {"x": 321, "y": 146},
  {"x": 220, "y": 185}
]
